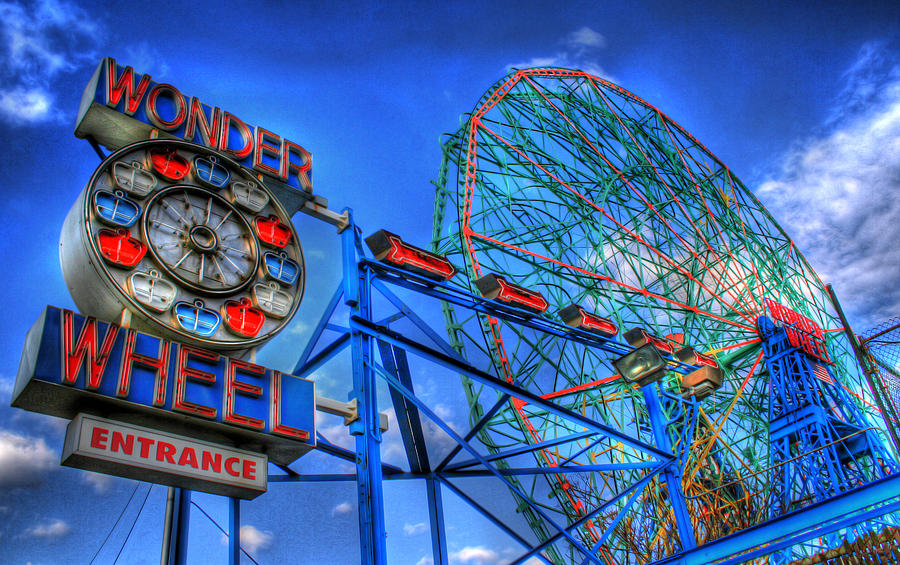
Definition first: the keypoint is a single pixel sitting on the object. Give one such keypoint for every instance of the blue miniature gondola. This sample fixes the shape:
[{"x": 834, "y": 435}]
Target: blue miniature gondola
[
  {"x": 193, "y": 317},
  {"x": 115, "y": 209},
  {"x": 280, "y": 268},
  {"x": 211, "y": 173}
]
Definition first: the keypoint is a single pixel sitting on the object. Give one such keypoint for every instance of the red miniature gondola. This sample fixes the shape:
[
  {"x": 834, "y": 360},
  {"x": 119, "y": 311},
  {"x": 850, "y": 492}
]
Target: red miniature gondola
[
  {"x": 241, "y": 318},
  {"x": 119, "y": 248},
  {"x": 272, "y": 232},
  {"x": 168, "y": 163}
]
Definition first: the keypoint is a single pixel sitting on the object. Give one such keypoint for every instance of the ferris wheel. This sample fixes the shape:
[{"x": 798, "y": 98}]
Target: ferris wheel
[{"x": 566, "y": 184}]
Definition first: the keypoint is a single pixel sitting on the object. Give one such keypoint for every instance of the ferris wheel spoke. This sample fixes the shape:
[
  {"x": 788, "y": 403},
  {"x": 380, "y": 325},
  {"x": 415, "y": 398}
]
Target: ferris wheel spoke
[
  {"x": 237, "y": 270},
  {"x": 675, "y": 199},
  {"x": 183, "y": 257},
  {"x": 712, "y": 217},
  {"x": 223, "y": 220},
  {"x": 174, "y": 230},
  {"x": 173, "y": 213},
  {"x": 606, "y": 214}
]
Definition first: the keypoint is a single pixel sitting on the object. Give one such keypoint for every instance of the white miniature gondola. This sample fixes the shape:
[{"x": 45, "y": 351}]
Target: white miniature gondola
[
  {"x": 132, "y": 178},
  {"x": 249, "y": 196},
  {"x": 272, "y": 300},
  {"x": 152, "y": 291}
]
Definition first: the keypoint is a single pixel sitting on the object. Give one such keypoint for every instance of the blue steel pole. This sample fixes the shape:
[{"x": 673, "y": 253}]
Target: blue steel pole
[
  {"x": 436, "y": 518},
  {"x": 671, "y": 474},
  {"x": 234, "y": 531},
  {"x": 367, "y": 431}
]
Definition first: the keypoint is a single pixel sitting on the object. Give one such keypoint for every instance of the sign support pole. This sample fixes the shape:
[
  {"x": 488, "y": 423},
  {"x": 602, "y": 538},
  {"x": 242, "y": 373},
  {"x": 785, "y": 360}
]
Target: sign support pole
[
  {"x": 234, "y": 531},
  {"x": 175, "y": 537}
]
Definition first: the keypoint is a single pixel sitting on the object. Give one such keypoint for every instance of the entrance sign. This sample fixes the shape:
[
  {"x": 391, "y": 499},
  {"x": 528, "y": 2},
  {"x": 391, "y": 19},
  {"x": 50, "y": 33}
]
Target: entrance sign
[
  {"x": 135, "y": 452},
  {"x": 72, "y": 364},
  {"x": 120, "y": 106}
]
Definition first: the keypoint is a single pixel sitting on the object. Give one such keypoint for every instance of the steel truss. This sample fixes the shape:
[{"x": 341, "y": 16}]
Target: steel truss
[{"x": 648, "y": 457}]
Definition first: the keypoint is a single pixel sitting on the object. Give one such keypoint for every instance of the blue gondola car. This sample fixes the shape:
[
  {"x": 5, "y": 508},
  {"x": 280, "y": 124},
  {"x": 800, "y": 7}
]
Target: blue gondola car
[
  {"x": 115, "y": 209},
  {"x": 211, "y": 173},
  {"x": 280, "y": 268},
  {"x": 195, "y": 318}
]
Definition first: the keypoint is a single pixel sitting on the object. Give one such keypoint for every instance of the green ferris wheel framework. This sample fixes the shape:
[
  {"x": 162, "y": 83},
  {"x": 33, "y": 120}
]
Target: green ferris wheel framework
[{"x": 567, "y": 184}]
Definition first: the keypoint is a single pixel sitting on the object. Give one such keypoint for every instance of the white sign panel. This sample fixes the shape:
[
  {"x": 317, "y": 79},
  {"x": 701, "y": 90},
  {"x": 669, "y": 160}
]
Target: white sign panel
[{"x": 126, "y": 450}]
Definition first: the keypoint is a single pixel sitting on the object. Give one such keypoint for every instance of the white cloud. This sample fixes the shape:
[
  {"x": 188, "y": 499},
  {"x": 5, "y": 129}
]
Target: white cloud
[
  {"x": 585, "y": 37},
  {"x": 21, "y": 106},
  {"x": 53, "y": 530},
  {"x": 342, "y": 509},
  {"x": 24, "y": 460},
  {"x": 838, "y": 194},
  {"x": 6, "y": 386},
  {"x": 144, "y": 58},
  {"x": 100, "y": 482},
  {"x": 38, "y": 41},
  {"x": 298, "y": 327},
  {"x": 252, "y": 539},
  {"x": 415, "y": 529},
  {"x": 425, "y": 561},
  {"x": 580, "y": 50},
  {"x": 475, "y": 555}
]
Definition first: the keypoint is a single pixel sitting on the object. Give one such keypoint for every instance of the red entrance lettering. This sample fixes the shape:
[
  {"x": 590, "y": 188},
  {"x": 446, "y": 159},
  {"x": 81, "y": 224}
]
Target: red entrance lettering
[{"x": 165, "y": 451}]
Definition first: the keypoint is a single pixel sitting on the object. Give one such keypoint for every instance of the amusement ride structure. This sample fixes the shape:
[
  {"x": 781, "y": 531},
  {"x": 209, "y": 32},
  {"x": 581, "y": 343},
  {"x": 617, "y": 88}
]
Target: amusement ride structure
[{"x": 652, "y": 370}]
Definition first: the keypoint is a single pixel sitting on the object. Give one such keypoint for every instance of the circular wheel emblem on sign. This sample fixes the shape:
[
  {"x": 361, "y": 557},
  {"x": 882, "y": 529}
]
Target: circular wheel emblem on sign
[{"x": 188, "y": 241}]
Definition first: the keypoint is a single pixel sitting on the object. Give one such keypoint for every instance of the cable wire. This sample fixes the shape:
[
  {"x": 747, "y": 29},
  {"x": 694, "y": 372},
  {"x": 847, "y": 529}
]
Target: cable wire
[
  {"x": 136, "y": 516},
  {"x": 116, "y": 523},
  {"x": 221, "y": 529}
]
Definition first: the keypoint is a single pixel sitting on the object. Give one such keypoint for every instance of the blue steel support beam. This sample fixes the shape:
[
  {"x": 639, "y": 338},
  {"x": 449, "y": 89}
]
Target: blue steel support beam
[
  {"x": 394, "y": 338},
  {"x": 635, "y": 487},
  {"x": 795, "y": 525},
  {"x": 394, "y": 360},
  {"x": 436, "y": 520},
  {"x": 393, "y": 382},
  {"x": 475, "y": 429},
  {"x": 525, "y": 449},
  {"x": 180, "y": 526},
  {"x": 672, "y": 473},
  {"x": 367, "y": 431},
  {"x": 320, "y": 328},
  {"x": 487, "y": 514}
]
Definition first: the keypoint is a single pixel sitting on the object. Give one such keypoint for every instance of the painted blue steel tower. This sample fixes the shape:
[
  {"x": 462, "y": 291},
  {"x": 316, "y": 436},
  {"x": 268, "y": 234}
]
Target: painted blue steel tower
[{"x": 820, "y": 442}]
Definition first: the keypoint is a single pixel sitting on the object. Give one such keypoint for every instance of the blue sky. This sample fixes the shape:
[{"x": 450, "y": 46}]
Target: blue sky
[{"x": 801, "y": 101}]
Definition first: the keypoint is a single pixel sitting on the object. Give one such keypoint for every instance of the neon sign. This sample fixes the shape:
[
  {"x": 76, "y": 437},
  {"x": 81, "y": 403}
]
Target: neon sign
[
  {"x": 73, "y": 364},
  {"x": 119, "y": 107},
  {"x": 389, "y": 248},
  {"x": 802, "y": 333},
  {"x": 637, "y": 337},
  {"x": 577, "y": 317},
  {"x": 494, "y": 287},
  {"x": 117, "y": 448}
]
